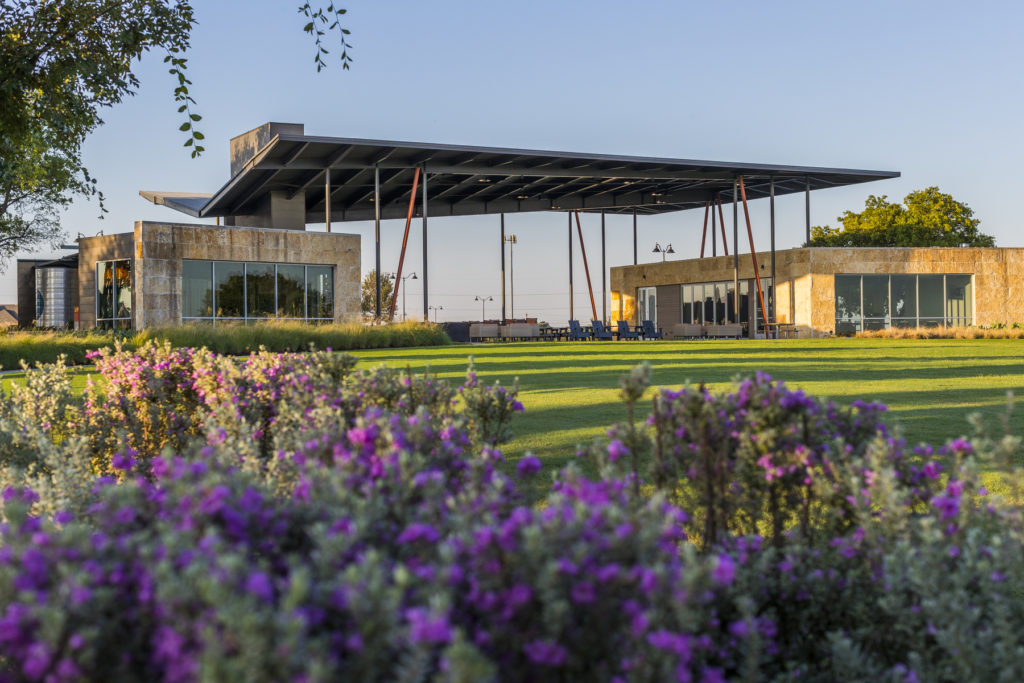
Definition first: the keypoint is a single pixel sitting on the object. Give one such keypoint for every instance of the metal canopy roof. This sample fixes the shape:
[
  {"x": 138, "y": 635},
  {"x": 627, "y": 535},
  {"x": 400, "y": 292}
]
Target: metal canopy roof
[{"x": 464, "y": 180}]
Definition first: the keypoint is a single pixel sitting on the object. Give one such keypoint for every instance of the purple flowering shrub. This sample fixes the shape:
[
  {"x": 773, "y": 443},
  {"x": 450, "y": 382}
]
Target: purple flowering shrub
[
  {"x": 762, "y": 459},
  {"x": 158, "y": 398},
  {"x": 304, "y": 520}
]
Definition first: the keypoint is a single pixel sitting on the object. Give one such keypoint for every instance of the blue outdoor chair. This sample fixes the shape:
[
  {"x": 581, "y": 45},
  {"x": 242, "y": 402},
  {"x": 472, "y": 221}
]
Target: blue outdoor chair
[
  {"x": 649, "y": 332},
  {"x": 600, "y": 332},
  {"x": 576, "y": 332},
  {"x": 624, "y": 331}
]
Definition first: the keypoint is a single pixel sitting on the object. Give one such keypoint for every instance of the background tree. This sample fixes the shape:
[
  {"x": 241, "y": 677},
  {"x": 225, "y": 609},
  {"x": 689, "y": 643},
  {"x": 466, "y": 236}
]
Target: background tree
[
  {"x": 61, "y": 63},
  {"x": 368, "y": 292},
  {"x": 927, "y": 218}
]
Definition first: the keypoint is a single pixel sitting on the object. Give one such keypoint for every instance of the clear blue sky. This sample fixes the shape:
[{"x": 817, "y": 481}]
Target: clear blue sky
[{"x": 929, "y": 88}]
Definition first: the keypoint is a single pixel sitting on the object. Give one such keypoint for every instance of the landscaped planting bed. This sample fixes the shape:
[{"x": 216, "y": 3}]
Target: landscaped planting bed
[
  {"x": 289, "y": 517},
  {"x": 39, "y": 346}
]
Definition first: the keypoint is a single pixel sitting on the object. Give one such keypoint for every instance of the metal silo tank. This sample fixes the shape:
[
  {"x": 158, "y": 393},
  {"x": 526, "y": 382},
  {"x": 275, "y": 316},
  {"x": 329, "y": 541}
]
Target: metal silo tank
[{"x": 54, "y": 296}]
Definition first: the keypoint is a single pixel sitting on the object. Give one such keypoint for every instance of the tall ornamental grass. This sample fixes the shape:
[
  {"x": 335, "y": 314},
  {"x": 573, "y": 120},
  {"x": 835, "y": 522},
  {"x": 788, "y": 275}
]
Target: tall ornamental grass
[
  {"x": 46, "y": 347},
  {"x": 288, "y": 517},
  {"x": 998, "y": 331}
]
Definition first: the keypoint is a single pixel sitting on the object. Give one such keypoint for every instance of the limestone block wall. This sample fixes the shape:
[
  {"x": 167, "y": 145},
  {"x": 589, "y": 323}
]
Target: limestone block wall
[
  {"x": 805, "y": 279},
  {"x": 160, "y": 248},
  {"x": 102, "y": 248},
  {"x": 157, "y": 249},
  {"x": 998, "y": 276}
]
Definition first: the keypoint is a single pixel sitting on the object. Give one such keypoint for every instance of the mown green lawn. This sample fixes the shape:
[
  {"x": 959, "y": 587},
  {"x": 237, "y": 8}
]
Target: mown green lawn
[{"x": 569, "y": 390}]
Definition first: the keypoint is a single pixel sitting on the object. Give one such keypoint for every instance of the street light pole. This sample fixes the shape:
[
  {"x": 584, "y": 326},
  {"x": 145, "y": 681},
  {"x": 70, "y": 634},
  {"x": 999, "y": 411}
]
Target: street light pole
[
  {"x": 410, "y": 276},
  {"x": 666, "y": 250},
  {"x": 435, "y": 309},
  {"x": 483, "y": 303},
  {"x": 511, "y": 239}
]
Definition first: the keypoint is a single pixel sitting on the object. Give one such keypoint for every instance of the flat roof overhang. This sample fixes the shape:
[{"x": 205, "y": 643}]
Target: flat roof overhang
[{"x": 466, "y": 181}]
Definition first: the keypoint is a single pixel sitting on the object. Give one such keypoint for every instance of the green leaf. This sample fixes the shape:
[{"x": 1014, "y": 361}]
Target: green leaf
[{"x": 185, "y": 126}]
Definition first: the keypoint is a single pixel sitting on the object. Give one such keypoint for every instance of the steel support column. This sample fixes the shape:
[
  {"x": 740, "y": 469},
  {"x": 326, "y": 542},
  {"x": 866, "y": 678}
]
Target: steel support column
[
  {"x": 572, "y": 315},
  {"x": 807, "y": 209},
  {"x": 704, "y": 234},
  {"x": 634, "y": 237},
  {"x": 721, "y": 222},
  {"x": 504, "y": 320},
  {"x": 405, "y": 242},
  {"x": 604, "y": 276},
  {"x": 771, "y": 213},
  {"x": 714, "y": 230},
  {"x": 586, "y": 267},
  {"x": 426, "y": 309},
  {"x": 735, "y": 255},
  {"x": 327, "y": 198},
  {"x": 753, "y": 256},
  {"x": 376, "y": 223}
]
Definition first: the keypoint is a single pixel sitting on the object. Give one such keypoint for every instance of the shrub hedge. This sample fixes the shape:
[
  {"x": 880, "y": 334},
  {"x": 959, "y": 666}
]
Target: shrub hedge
[
  {"x": 287, "y": 517},
  {"x": 46, "y": 347}
]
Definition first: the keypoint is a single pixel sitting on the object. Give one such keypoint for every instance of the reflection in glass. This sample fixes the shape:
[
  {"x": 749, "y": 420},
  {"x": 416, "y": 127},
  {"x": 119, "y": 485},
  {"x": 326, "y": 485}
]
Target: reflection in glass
[
  {"x": 730, "y": 301},
  {"x": 720, "y": 302},
  {"x": 847, "y": 297},
  {"x": 319, "y": 292},
  {"x": 929, "y": 297},
  {"x": 958, "y": 300},
  {"x": 196, "y": 289},
  {"x": 123, "y": 292},
  {"x": 904, "y": 300},
  {"x": 291, "y": 291},
  {"x": 229, "y": 280},
  {"x": 875, "y": 292},
  {"x": 104, "y": 290},
  {"x": 259, "y": 290}
]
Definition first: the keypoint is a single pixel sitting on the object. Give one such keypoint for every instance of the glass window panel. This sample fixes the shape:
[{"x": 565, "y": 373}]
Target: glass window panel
[
  {"x": 730, "y": 301},
  {"x": 720, "y": 303},
  {"x": 104, "y": 290},
  {"x": 847, "y": 298},
  {"x": 291, "y": 297},
  {"x": 123, "y": 291},
  {"x": 958, "y": 299},
  {"x": 709, "y": 304},
  {"x": 745, "y": 301},
  {"x": 196, "y": 289},
  {"x": 876, "y": 296},
  {"x": 875, "y": 324},
  {"x": 904, "y": 296},
  {"x": 686, "y": 296},
  {"x": 320, "y": 292},
  {"x": 929, "y": 296},
  {"x": 259, "y": 290},
  {"x": 904, "y": 322},
  {"x": 229, "y": 280}
]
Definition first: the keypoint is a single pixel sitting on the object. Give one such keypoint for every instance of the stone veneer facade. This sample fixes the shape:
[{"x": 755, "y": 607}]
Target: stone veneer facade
[
  {"x": 805, "y": 291},
  {"x": 157, "y": 249}
]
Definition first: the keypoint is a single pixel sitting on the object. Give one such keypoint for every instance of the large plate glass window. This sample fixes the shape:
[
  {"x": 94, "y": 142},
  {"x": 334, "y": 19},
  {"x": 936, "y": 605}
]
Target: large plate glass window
[
  {"x": 959, "y": 306},
  {"x": 197, "y": 289},
  {"x": 114, "y": 294},
  {"x": 319, "y": 292},
  {"x": 260, "y": 299},
  {"x": 903, "y": 289},
  {"x": 291, "y": 291},
  {"x": 232, "y": 291},
  {"x": 873, "y": 302},
  {"x": 229, "y": 280},
  {"x": 648, "y": 298}
]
